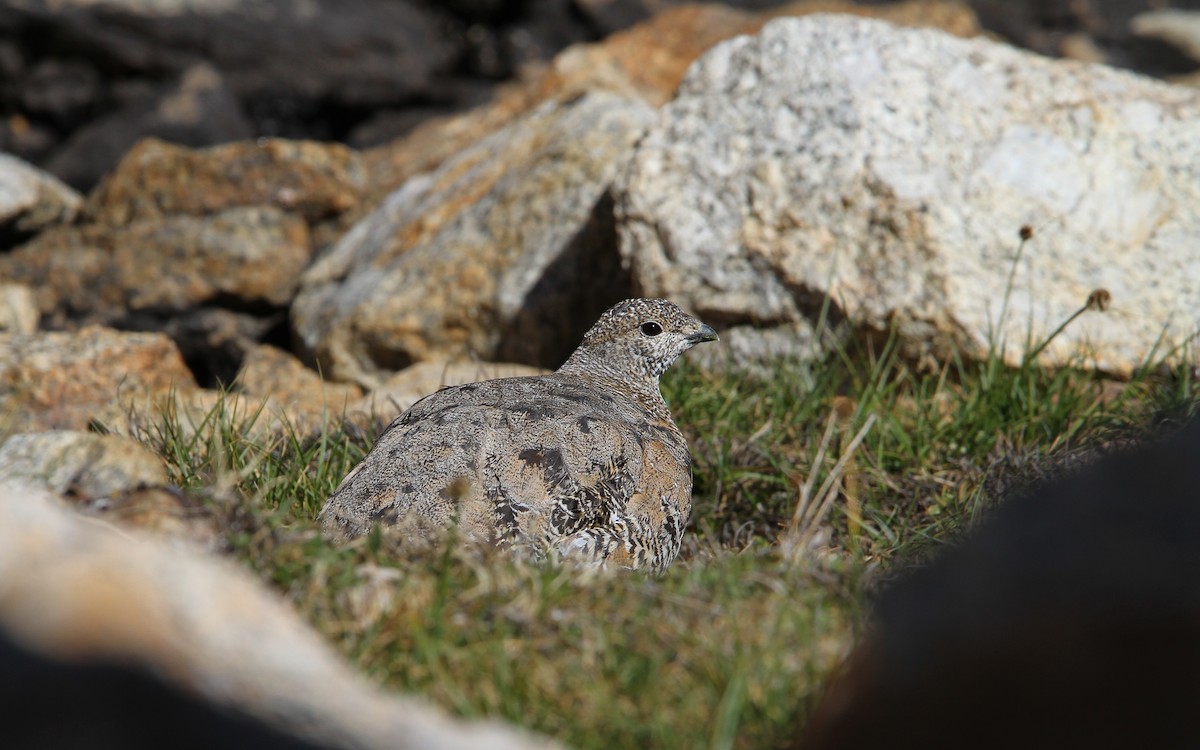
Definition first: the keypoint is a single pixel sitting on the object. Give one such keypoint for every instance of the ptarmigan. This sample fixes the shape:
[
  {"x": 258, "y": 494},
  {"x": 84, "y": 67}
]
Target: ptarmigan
[{"x": 583, "y": 463}]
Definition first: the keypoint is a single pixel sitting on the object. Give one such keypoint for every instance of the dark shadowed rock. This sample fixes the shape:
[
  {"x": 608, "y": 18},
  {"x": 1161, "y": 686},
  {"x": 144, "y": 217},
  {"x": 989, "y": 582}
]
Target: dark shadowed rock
[
  {"x": 1068, "y": 619},
  {"x": 214, "y": 341},
  {"x": 271, "y": 51},
  {"x": 1103, "y": 28},
  {"x": 197, "y": 110}
]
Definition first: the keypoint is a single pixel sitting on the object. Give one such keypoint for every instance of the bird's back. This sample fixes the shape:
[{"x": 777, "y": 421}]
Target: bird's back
[{"x": 554, "y": 463}]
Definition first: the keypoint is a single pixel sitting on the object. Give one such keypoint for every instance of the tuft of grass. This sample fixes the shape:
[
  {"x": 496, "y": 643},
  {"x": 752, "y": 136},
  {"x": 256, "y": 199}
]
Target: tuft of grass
[{"x": 811, "y": 484}]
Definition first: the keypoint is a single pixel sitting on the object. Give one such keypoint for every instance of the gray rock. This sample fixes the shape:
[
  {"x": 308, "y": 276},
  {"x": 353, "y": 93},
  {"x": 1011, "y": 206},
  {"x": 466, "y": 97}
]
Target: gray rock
[
  {"x": 18, "y": 309},
  {"x": 81, "y": 463},
  {"x": 110, "y": 477},
  {"x": 82, "y": 590},
  {"x": 890, "y": 170},
  {"x": 505, "y": 251},
  {"x": 31, "y": 200}
]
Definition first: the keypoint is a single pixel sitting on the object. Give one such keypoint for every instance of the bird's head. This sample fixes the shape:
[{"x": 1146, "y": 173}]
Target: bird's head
[{"x": 638, "y": 338}]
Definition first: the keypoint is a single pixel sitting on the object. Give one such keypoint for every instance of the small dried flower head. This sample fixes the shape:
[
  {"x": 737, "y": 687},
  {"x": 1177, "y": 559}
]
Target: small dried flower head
[
  {"x": 844, "y": 407},
  {"x": 1026, "y": 232},
  {"x": 1099, "y": 299}
]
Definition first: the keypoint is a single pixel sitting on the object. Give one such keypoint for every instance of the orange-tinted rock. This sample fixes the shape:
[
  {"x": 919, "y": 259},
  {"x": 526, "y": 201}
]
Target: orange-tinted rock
[
  {"x": 56, "y": 381},
  {"x": 253, "y": 255},
  {"x": 317, "y": 181},
  {"x": 268, "y": 372}
]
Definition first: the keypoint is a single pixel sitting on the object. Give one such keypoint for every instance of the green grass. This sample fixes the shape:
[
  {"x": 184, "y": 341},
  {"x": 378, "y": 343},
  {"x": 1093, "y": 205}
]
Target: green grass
[{"x": 730, "y": 647}]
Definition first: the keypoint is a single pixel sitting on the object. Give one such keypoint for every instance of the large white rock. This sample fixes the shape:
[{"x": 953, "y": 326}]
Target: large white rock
[{"x": 892, "y": 169}]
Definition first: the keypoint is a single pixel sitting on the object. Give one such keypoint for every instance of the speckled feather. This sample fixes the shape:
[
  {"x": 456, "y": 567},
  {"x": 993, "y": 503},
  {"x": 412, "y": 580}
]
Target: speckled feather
[{"x": 585, "y": 462}]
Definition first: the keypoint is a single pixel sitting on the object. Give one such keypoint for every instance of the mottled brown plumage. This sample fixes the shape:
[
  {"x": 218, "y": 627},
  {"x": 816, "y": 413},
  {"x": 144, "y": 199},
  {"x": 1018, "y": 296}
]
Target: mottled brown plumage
[{"x": 585, "y": 462}]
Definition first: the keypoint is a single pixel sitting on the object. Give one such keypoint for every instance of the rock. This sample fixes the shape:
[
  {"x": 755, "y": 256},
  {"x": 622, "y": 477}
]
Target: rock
[
  {"x": 273, "y": 54},
  {"x": 1053, "y": 27},
  {"x": 1179, "y": 28},
  {"x": 82, "y": 591},
  {"x": 116, "y": 707},
  {"x": 214, "y": 341},
  {"x": 315, "y": 181},
  {"x": 268, "y": 372},
  {"x": 787, "y": 171},
  {"x": 504, "y": 252},
  {"x": 196, "y": 110},
  {"x": 64, "y": 381},
  {"x": 411, "y": 384},
  {"x": 650, "y": 59},
  {"x": 81, "y": 464},
  {"x": 434, "y": 141},
  {"x": 31, "y": 200},
  {"x": 200, "y": 415},
  {"x": 18, "y": 309},
  {"x": 1067, "y": 618},
  {"x": 109, "y": 476},
  {"x": 645, "y": 62},
  {"x": 250, "y": 257}
]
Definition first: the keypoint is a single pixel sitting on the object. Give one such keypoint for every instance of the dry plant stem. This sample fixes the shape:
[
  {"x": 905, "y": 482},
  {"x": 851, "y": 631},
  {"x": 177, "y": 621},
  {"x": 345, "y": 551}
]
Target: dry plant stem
[
  {"x": 800, "y": 534},
  {"x": 1097, "y": 300},
  {"x": 805, "y": 499}
]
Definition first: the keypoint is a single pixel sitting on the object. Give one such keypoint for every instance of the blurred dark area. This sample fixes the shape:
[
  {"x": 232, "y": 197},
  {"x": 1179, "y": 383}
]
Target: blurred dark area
[
  {"x": 1070, "y": 618},
  {"x": 53, "y": 705},
  {"x": 82, "y": 81}
]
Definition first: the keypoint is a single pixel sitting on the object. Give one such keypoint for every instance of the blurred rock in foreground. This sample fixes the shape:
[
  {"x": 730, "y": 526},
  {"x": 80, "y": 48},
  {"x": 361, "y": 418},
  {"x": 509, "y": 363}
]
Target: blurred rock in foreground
[
  {"x": 1068, "y": 619},
  {"x": 73, "y": 589}
]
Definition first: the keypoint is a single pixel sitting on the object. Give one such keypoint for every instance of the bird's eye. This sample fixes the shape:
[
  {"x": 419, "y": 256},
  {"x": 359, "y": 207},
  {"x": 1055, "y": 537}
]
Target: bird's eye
[{"x": 651, "y": 328}]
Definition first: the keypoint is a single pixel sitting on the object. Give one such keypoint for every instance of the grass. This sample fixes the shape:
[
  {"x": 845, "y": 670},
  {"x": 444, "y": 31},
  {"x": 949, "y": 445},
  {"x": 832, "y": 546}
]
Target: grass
[{"x": 731, "y": 647}]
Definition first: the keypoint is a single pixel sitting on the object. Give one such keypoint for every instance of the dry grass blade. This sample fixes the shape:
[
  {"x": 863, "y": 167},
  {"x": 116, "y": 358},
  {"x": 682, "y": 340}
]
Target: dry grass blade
[
  {"x": 804, "y": 501},
  {"x": 804, "y": 524}
]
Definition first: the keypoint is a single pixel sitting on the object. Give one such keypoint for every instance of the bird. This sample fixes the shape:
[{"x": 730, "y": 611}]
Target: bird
[{"x": 584, "y": 463}]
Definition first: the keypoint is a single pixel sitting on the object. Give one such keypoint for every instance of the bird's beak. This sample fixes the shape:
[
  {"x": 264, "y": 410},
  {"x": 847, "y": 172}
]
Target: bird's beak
[{"x": 706, "y": 333}]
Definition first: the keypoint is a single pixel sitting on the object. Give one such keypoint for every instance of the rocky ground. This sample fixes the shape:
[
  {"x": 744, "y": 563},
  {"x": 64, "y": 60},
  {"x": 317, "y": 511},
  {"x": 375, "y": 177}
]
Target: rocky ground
[{"x": 329, "y": 209}]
